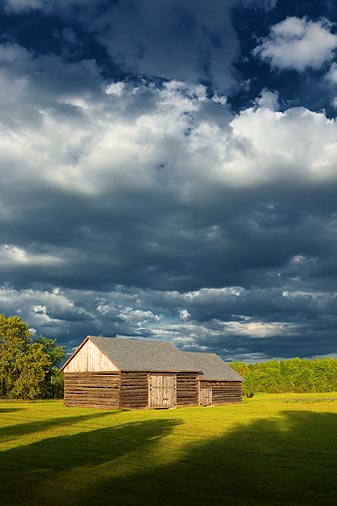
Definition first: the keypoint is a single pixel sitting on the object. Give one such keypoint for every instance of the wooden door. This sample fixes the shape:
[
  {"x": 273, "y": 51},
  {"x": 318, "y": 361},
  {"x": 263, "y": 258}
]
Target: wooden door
[
  {"x": 205, "y": 395},
  {"x": 162, "y": 391}
]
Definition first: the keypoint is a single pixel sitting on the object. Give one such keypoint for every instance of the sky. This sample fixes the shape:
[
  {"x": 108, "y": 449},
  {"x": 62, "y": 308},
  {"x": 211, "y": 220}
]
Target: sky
[{"x": 168, "y": 170}]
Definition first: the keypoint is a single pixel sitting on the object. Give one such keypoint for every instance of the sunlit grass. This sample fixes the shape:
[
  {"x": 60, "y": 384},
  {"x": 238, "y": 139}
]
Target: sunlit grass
[{"x": 271, "y": 449}]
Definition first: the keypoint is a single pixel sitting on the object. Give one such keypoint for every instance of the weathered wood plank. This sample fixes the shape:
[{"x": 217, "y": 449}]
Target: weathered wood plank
[
  {"x": 187, "y": 389},
  {"x": 162, "y": 390},
  {"x": 134, "y": 390},
  {"x": 89, "y": 358},
  {"x": 222, "y": 391},
  {"x": 92, "y": 389}
]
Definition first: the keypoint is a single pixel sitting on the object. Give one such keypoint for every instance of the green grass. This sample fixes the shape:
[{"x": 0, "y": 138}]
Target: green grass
[{"x": 269, "y": 450}]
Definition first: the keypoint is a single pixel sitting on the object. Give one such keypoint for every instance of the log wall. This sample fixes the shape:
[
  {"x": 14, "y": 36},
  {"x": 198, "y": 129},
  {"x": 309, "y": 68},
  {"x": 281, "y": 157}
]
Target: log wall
[
  {"x": 134, "y": 390},
  {"x": 112, "y": 390},
  {"x": 92, "y": 389},
  {"x": 187, "y": 389},
  {"x": 224, "y": 391}
]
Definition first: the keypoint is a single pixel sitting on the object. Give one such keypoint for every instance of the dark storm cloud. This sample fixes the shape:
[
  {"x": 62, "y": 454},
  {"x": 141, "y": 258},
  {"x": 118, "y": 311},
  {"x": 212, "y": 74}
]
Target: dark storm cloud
[
  {"x": 170, "y": 246},
  {"x": 188, "y": 319},
  {"x": 152, "y": 208},
  {"x": 197, "y": 38},
  {"x": 239, "y": 235}
]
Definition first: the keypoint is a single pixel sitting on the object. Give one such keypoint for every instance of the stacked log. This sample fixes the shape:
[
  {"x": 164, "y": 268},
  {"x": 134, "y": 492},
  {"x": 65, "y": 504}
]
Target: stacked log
[
  {"x": 92, "y": 389},
  {"x": 187, "y": 389},
  {"x": 134, "y": 390}
]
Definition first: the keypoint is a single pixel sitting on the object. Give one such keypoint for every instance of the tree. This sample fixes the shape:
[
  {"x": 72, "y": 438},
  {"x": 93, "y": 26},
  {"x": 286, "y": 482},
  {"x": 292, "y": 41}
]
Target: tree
[{"x": 28, "y": 367}]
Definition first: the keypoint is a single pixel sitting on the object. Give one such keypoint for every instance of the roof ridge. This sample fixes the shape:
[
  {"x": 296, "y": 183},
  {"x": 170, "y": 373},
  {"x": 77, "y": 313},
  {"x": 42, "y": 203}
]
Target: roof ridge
[
  {"x": 134, "y": 339},
  {"x": 204, "y": 353}
]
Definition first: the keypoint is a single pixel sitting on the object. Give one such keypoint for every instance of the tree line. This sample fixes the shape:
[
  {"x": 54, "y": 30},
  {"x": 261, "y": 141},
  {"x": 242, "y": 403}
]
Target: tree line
[
  {"x": 28, "y": 365},
  {"x": 292, "y": 375}
]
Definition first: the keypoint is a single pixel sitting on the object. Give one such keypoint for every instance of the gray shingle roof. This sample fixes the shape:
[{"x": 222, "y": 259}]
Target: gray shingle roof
[
  {"x": 141, "y": 355},
  {"x": 213, "y": 367}
]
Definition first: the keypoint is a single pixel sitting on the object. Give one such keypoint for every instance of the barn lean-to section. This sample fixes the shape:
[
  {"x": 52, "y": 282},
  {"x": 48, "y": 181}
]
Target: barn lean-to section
[
  {"x": 218, "y": 382},
  {"x": 212, "y": 393},
  {"x": 126, "y": 373}
]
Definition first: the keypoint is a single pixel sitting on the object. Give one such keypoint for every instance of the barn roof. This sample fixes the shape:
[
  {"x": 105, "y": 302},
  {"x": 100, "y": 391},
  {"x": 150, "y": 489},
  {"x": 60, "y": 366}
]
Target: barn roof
[
  {"x": 141, "y": 355},
  {"x": 212, "y": 366},
  {"x": 159, "y": 356}
]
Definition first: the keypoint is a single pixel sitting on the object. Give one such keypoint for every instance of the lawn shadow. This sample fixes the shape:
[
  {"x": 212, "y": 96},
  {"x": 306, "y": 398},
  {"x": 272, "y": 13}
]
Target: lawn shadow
[
  {"x": 20, "y": 429},
  {"x": 10, "y": 410},
  {"x": 288, "y": 460},
  {"x": 27, "y": 470},
  {"x": 268, "y": 462}
]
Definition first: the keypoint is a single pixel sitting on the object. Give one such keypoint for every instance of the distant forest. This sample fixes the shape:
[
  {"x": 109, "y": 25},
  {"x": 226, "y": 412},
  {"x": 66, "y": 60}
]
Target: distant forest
[{"x": 293, "y": 375}]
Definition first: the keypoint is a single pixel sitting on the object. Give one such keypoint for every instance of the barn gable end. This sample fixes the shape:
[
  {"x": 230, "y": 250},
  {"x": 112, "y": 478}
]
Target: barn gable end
[{"x": 88, "y": 358}]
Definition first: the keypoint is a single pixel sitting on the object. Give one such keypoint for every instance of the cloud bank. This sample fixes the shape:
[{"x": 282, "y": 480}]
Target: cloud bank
[
  {"x": 157, "y": 181},
  {"x": 153, "y": 210}
]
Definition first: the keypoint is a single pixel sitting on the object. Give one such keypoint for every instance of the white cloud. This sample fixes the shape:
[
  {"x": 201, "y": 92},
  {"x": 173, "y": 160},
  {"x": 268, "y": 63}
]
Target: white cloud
[
  {"x": 14, "y": 255},
  {"x": 106, "y": 309},
  {"x": 215, "y": 334},
  {"x": 268, "y": 99},
  {"x": 49, "y": 6},
  {"x": 297, "y": 143},
  {"x": 298, "y": 44},
  {"x": 22, "y": 5},
  {"x": 184, "y": 314},
  {"x": 40, "y": 309},
  {"x": 138, "y": 316},
  {"x": 331, "y": 76},
  {"x": 115, "y": 89},
  {"x": 264, "y": 4},
  {"x": 259, "y": 329}
]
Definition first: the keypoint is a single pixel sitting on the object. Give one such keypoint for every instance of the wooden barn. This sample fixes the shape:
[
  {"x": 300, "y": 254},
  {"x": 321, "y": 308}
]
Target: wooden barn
[{"x": 127, "y": 373}]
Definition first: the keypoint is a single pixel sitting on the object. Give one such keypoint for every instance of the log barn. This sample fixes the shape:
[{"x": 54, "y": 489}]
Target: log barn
[{"x": 112, "y": 373}]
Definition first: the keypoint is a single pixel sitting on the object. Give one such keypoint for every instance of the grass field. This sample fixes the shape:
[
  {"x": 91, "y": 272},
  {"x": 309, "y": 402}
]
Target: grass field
[{"x": 269, "y": 450}]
